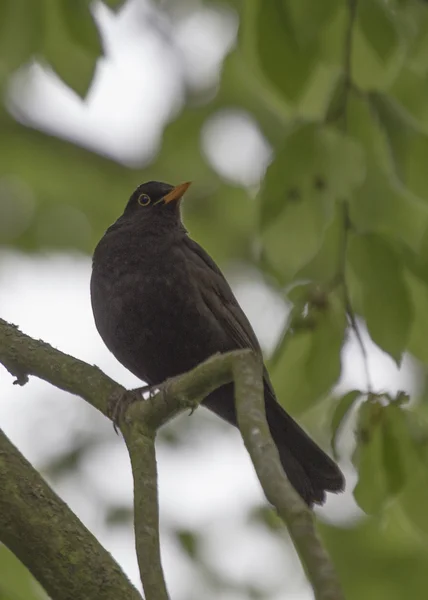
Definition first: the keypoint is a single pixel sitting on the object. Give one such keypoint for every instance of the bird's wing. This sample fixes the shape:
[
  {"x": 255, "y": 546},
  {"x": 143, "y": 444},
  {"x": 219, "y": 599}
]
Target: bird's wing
[{"x": 218, "y": 296}]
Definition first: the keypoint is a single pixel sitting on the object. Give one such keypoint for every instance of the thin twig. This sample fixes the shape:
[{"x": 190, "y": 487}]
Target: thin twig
[
  {"x": 347, "y": 68},
  {"x": 141, "y": 447},
  {"x": 347, "y": 298}
]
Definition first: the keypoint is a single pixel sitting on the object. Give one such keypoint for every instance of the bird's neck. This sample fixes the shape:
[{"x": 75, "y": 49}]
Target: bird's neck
[{"x": 122, "y": 245}]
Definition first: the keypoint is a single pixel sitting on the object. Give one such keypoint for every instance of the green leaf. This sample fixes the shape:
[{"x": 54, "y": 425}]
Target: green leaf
[
  {"x": 410, "y": 89},
  {"x": 21, "y": 33},
  {"x": 387, "y": 454},
  {"x": 79, "y": 22},
  {"x": 285, "y": 64},
  {"x": 119, "y": 515},
  {"x": 414, "y": 501},
  {"x": 189, "y": 542},
  {"x": 314, "y": 167},
  {"x": 322, "y": 268},
  {"x": 371, "y": 491},
  {"x": 16, "y": 582},
  {"x": 381, "y": 206},
  {"x": 266, "y": 516},
  {"x": 70, "y": 61},
  {"x": 378, "y": 24},
  {"x": 309, "y": 364},
  {"x": 408, "y": 144},
  {"x": 343, "y": 407},
  {"x": 114, "y": 5},
  {"x": 417, "y": 343},
  {"x": 412, "y": 443},
  {"x": 307, "y": 18},
  {"x": 394, "y": 430},
  {"x": 387, "y": 306}
]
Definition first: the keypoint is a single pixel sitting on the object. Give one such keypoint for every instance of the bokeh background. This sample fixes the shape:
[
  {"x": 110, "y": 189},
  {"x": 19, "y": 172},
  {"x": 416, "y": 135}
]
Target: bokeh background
[{"x": 96, "y": 102}]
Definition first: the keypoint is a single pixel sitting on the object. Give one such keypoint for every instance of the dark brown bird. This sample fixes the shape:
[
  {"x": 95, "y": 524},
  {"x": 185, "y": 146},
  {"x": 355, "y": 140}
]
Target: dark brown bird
[{"x": 162, "y": 306}]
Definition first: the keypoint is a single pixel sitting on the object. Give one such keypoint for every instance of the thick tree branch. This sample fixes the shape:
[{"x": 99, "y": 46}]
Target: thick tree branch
[
  {"x": 46, "y": 536},
  {"x": 24, "y": 356}
]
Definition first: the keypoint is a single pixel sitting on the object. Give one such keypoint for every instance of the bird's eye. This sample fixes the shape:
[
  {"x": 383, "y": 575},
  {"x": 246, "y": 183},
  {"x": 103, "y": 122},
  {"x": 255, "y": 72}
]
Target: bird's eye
[{"x": 144, "y": 200}]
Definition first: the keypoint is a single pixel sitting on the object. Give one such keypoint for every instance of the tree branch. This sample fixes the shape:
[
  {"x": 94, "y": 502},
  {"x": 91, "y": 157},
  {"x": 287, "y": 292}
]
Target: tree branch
[
  {"x": 24, "y": 356},
  {"x": 293, "y": 511},
  {"x": 47, "y": 537}
]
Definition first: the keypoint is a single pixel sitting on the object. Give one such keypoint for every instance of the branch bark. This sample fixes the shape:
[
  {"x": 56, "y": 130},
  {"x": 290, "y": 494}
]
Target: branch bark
[
  {"x": 24, "y": 356},
  {"x": 47, "y": 537},
  {"x": 293, "y": 511}
]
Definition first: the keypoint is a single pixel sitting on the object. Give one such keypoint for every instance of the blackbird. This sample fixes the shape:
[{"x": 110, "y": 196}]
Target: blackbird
[{"x": 162, "y": 306}]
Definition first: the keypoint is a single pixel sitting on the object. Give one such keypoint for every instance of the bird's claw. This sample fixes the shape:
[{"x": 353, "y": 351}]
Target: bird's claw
[{"x": 118, "y": 404}]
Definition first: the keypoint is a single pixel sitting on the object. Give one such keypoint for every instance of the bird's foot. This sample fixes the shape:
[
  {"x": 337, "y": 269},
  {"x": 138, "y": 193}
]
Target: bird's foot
[{"x": 118, "y": 404}]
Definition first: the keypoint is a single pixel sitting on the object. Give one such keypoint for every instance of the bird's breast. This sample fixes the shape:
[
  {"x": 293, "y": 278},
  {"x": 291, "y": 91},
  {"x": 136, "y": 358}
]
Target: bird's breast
[{"x": 150, "y": 317}]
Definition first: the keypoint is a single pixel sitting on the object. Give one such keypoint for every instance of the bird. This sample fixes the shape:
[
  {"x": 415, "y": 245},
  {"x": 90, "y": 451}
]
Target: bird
[{"x": 162, "y": 306}]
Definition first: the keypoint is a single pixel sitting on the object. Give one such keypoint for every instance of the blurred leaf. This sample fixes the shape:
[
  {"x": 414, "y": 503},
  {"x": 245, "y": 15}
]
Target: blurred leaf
[
  {"x": 69, "y": 460},
  {"x": 377, "y": 559},
  {"x": 16, "y": 582},
  {"x": 408, "y": 144},
  {"x": 119, "y": 515},
  {"x": 306, "y": 169},
  {"x": 371, "y": 491},
  {"x": 114, "y": 4},
  {"x": 387, "y": 306},
  {"x": 78, "y": 21},
  {"x": 413, "y": 446},
  {"x": 67, "y": 58},
  {"x": 410, "y": 89},
  {"x": 22, "y": 26},
  {"x": 414, "y": 501},
  {"x": 417, "y": 343},
  {"x": 413, "y": 18},
  {"x": 47, "y": 167},
  {"x": 189, "y": 542},
  {"x": 386, "y": 456},
  {"x": 394, "y": 430},
  {"x": 377, "y": 21},
  {"x": 314, "y": 167},
  {"x": 360, "y": 124},
  {"x": 323, "y": 267},
  {"x": 268, "y": 516},
  {"x": 309, "y": 364},
  {"x": 307, "y": 299},
  {"x": 308, "y": 18},
  {"x": 341, "y": 411},
  {"x": 268, "y": 30},
  {"x": 381, "y": 206}
]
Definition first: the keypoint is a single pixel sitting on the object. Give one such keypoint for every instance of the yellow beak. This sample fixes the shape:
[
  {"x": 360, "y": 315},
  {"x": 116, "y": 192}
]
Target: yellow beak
[{"x": 177, "y": 192}]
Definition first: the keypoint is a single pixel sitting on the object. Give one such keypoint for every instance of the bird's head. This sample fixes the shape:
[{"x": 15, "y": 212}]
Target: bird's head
[{"x": 153, "y": 201}]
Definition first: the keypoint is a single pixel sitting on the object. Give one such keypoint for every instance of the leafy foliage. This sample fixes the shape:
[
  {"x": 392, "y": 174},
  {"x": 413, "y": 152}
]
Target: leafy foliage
[{"x": 341, "y": 218}]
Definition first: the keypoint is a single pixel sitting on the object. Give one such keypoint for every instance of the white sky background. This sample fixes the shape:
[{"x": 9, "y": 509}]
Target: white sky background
[{"x": 208, "y": 482}]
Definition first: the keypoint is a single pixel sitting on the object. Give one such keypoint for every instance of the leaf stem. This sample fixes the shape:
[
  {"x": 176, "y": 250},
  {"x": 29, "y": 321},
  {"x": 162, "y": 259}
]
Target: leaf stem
[{"x": 347, "y": 69}]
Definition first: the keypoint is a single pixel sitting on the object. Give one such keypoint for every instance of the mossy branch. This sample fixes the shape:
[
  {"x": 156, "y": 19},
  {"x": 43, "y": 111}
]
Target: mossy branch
[
  {"x": 48, "y": 538},
  {"x": 25, "y": 356}
]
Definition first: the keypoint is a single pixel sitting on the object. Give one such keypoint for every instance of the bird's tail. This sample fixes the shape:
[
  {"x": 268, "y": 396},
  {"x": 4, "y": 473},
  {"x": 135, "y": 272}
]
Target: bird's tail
[
  {"x": 311, "y": 472},
  {"x": 309, "y": 469}
]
